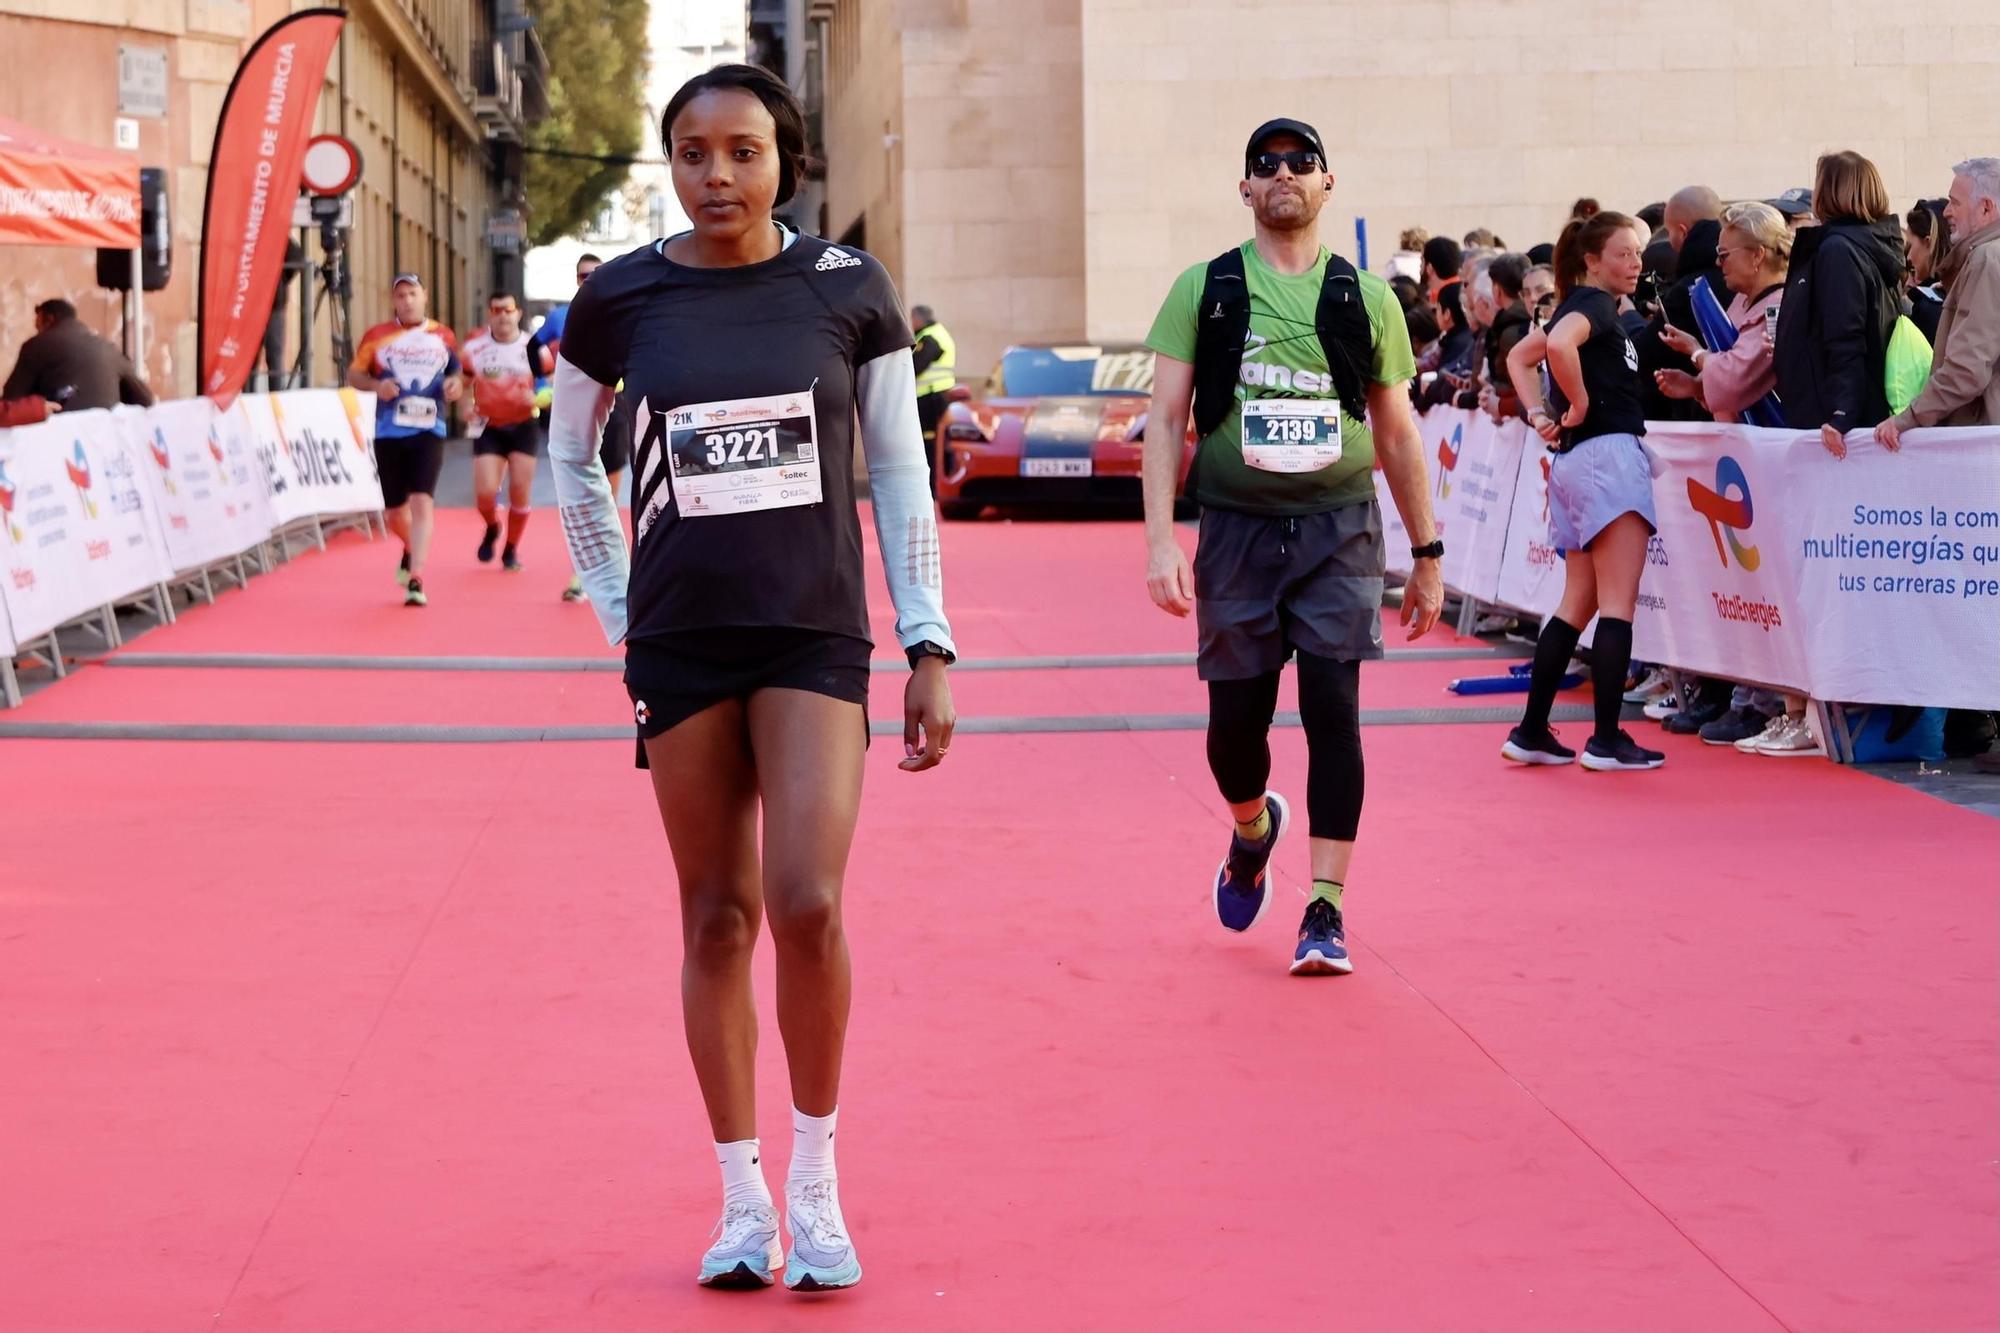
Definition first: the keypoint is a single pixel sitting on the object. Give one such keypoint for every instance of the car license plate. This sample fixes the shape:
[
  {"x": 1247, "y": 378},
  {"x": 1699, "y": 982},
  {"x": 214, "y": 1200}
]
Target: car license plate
[{"x": 1055, "y": 467}]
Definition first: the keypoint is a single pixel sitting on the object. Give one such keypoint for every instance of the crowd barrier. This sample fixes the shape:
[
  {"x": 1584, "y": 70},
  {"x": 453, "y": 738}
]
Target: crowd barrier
[
  {"x": 1872, "y": 579},
  {"x": 103, "y": 508}
]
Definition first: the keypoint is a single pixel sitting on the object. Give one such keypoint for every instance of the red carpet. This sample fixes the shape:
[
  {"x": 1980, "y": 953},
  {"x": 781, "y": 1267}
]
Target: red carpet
[{"x": 386, "y": 1037}]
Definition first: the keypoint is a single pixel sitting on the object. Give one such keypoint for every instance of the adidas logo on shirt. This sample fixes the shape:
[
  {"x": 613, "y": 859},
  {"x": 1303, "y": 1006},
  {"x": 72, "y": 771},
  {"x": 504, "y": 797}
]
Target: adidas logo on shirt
[{"x": 836, "y": 258}]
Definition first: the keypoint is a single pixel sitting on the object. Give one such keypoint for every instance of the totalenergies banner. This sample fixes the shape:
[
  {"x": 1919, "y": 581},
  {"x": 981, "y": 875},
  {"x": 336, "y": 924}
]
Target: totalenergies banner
[
  {"x": 1869, "y": 579},
  {"x": 79, "y": 532},
  {"x": 253, "y": 177}
]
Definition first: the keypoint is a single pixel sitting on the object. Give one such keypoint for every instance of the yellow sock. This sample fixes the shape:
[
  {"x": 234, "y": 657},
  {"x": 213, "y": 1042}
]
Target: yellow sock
[
  {"x": 1259, "y": 828},
  {"x": 1329, "y": 889}
]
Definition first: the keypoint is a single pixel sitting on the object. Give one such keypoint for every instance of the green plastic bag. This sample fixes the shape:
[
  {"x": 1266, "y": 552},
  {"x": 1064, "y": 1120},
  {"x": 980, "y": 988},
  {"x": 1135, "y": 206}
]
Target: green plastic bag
[{"x": 1908, "y": 367}]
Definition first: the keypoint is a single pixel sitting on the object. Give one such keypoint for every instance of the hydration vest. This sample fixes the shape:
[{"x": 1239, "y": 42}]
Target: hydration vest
[{"x": 1222, "y": 329}]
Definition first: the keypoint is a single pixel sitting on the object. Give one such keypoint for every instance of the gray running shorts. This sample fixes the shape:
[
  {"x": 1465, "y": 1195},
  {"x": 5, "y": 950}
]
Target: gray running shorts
[{"x": 1266, "y": 587}]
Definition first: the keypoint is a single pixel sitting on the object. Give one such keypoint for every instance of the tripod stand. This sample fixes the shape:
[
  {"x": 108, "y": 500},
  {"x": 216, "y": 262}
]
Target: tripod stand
[{"x": 336, "y": 287}]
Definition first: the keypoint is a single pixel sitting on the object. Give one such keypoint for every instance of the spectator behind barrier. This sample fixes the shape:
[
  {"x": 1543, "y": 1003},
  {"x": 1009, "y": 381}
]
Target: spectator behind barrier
[
  {"x": 1506, "y": 277},
  {"x": 66, "y": 363},
  {"x": 1842, "y": 298},
  {"x": 1755, "y": 254},
  {"x": 1927, "y": 237},
  {"x": 1964, "y": 388},
  {"x": 1442, "y": 260},
  {"x": 1408, "y": 261}
]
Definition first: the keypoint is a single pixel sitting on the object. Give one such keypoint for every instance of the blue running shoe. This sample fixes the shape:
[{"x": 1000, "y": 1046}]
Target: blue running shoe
[
  {"x": 1243, "y": 882},
  {"x": 1322, "y": 947},
  {"x": 822, "y": 1257},
  {"x": 748, "y": 1254}
]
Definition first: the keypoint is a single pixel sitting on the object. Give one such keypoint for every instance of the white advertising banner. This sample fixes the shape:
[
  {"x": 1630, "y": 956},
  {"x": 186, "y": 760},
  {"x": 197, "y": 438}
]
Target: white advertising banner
[
  {"x": 1895, "y": 564},
  {"x": 316, "y": 447},
  {"x": 239, "y": 480},
  {"x": 1474, "y": 498},
  {"x": 1531, "y": 569},
  {"x": 181, "y": 459},
  {"x": 55, "y": 536},
  {"x": 1719, "y": 592}
]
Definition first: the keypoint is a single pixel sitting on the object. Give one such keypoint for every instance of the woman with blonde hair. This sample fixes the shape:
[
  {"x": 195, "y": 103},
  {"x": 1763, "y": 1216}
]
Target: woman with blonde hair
[
  {"x": 1755, "y": 250},
  {"x": 1842, "y": 298}
]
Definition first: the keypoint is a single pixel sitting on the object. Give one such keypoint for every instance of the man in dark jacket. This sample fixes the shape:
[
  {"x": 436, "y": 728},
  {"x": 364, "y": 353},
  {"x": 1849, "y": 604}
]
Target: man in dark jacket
[
  {"x": 66, "y": 363},
  {"x": 1694, "y": 231},
  {"x": 1842, "y": 297}
]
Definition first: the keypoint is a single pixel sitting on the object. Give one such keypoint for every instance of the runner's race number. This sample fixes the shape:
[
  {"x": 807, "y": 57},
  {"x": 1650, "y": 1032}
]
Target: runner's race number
[{"x": 744, "y": 455}]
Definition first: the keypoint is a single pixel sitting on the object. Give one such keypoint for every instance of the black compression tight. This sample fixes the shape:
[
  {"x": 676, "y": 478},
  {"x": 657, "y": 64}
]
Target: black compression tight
[{"x": 1239, "y": 749}]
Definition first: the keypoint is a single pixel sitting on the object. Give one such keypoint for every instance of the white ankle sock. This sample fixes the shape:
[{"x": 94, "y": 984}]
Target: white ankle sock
[
  {"x": 742, "y": 1172},
  {"x": 812, "y": 1146}
]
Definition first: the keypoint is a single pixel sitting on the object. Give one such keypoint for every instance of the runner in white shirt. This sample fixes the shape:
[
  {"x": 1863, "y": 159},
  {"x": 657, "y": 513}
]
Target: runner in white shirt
[{"x": 502, "y": 363}]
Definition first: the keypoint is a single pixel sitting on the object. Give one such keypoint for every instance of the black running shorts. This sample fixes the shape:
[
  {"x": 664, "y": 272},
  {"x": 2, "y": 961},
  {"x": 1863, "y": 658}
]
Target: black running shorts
[
  {"x": 1266, "y": 587},
  {"x": 672, "y": 677},
  {"x": 523, "y": 437},
  {"x": 409, "y": 465}
]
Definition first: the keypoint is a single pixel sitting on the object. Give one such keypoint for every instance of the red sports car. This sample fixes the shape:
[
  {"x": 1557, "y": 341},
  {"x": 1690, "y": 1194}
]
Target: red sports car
[{"x": 1054, "y": 425}]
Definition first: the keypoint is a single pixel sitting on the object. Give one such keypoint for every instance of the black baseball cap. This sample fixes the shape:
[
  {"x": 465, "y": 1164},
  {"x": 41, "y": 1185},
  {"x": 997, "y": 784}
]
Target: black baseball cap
[
  {"x": 1793, "y": 202},
  {"x": 1271, "y": 129}
]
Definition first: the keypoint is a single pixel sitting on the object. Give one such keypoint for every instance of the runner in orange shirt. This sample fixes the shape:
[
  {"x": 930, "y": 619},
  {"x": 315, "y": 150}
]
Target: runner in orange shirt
[{"x": 502, "y": 363}]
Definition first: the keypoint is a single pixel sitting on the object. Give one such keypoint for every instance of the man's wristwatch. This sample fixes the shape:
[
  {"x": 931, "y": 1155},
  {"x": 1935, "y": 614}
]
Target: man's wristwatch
[
  {"x": 1435, "y": 551},
  {"x": 916, "y": 652}
]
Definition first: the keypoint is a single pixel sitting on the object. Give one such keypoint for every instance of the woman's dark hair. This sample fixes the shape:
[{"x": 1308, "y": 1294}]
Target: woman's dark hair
[
  {"x": 1508, "y": 272},
  {"x": 1585, "y": 236},
  {"x": 778, "y": 99},
  {"x": 1654, "y": 216},
  {"x": 1451, "y": 300},
  {"x": 1423, "y": 326},
  {"x": 1408, "y": 292},
  {"x": 1586, "y": 208},
  {"x": 1926, "y": 222}
]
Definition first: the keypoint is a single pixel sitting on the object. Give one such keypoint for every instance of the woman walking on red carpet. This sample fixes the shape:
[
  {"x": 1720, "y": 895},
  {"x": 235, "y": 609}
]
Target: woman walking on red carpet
[
  {"x": 749, "y": 351},
  {"x": 1600, "y": 485}
]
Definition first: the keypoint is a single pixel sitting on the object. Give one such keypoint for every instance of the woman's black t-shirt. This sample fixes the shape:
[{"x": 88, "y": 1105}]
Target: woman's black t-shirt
[
  {"x": 1610, "y": 366},
  {"x": 722, "y": 536}
]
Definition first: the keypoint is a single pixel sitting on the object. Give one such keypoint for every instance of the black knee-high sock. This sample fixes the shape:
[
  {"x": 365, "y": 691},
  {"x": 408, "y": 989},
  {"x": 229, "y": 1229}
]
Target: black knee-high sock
[
  {"x": 1611, "y": 659},
  {"x": 1553, "y": 650}
]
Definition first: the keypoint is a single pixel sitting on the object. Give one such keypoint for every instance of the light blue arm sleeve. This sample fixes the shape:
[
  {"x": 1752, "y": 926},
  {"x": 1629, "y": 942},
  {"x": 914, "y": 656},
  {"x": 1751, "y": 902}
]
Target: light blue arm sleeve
[
  {"x": 589, "y": 510},
  {"x": 892, "y": 440}
]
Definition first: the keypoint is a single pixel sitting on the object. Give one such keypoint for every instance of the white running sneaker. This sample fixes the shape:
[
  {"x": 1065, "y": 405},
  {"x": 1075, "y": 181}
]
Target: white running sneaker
[
  {"x": 748, "y": 1253},
  {"x": 1655, "y": 683},
  {"x": 1664, "y": 706},
  {"x": 1796, "y": 741},
  {"x": 822, "y": 1257},
  {"x": 1751, "y": 744}
]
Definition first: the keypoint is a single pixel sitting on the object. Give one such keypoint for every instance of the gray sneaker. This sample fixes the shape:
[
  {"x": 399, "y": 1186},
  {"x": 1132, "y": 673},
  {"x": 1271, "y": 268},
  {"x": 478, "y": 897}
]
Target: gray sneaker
[
  {"x": 747, "y": 1254},
  {"x": 822, "y": 1256}
]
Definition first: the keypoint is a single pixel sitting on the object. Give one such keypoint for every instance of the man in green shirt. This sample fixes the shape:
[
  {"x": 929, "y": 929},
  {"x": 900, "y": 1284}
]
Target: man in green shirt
[{"x": 1289, "y": 557}]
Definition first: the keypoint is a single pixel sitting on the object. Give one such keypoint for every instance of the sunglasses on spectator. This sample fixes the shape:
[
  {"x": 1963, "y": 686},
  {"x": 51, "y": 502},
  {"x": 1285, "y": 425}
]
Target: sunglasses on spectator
[{"x": 1304, "y": 162}]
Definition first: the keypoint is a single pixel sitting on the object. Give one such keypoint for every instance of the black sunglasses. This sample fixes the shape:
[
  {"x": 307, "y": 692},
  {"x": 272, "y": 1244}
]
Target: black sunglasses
[{"x": 1304, "y": 162}]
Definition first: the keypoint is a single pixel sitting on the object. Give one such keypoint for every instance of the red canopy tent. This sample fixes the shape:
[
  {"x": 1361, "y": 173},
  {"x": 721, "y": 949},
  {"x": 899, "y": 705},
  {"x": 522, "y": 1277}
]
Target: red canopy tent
[{"x": 54, "y": 192}]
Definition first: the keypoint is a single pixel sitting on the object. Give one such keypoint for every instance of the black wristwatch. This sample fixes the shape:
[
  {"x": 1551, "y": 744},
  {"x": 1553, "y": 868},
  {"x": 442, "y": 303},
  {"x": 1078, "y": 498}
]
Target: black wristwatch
[
  {"x": 917, "y": 651},
  {"x": 1435, "y": 551}
]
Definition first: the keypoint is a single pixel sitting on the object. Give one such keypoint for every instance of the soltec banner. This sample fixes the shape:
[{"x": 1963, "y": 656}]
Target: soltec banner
[
  {"x": 253, "y": 176},
  {"x": 316, "y": 446}
]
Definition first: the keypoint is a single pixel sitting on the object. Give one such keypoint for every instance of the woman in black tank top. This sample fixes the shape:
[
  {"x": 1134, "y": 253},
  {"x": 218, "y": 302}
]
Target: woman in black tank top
[{"x": 1600, "y": 485}]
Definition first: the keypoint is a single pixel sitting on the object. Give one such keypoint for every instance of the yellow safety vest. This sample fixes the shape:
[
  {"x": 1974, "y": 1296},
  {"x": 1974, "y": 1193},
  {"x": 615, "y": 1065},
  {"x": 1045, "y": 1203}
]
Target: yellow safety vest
[{"x": 941, "y": 374}]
